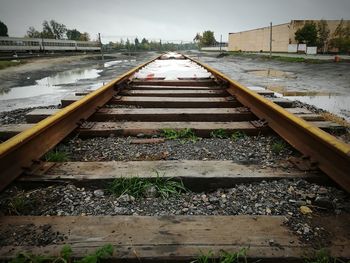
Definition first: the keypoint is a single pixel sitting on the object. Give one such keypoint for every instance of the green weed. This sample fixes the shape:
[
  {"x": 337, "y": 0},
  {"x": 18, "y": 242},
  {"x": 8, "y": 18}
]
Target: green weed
[
  {"x": 322, "y": 256},
  {"x": 219, "y": 133},
  {"x": 278, "y": 146},
  {"x": 225, "y": 257},
  {"x": 186, "y": 133},
  {"x": 56, "y": 156},
  {"x": 65, "y": 256},
  {"x": 238, "y": 135},
  {"x": 137, "y": 187},
  {"x": 6, "y": 64}
]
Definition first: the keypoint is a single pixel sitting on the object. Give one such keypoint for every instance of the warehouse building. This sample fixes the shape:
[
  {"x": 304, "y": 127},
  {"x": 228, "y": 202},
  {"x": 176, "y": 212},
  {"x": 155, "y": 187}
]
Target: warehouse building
[{"x": 283, "y": 40}]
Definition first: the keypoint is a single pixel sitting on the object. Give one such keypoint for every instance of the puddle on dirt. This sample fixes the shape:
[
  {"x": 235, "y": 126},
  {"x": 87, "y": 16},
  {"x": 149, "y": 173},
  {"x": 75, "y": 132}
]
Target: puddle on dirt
[
  {"x": 271, "y": 73},
  {"x": 46, "y": 89},
  {"x": 287, "y": 93},
  {"x": 116, "y": 62},
  {"x": 335, "y": 103}
]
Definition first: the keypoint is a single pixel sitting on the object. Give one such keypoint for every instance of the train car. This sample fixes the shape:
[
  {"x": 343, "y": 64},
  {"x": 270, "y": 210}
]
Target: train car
[
  {"x": 88, "y": 46},
  {"x": 58, "y": 45},
  {"x": 16, "y": 44}
]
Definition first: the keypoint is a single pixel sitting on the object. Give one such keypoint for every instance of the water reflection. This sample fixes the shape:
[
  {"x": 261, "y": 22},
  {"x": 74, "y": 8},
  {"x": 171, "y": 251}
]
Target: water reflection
[
  {"x": 116, "y": 62},
  {"x": 50, "y": 84},
  {"x": 335, "y": 103},
  {"x": 339, "y": 105},
  {"x": 271, "y": 73}
]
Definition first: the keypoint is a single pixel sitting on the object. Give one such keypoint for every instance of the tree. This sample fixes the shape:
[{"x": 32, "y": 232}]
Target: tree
[
  {"x": 307, "y": 34},
  {"x": 84, "y": 37},
  {"x": 137, "y": 43},
  {"x": 206, "y": 39},
  {"x": 73, "y": 34},
  {"x": 53, "y": 29},
  {"x": 3, "y": 30},
  {"x": 33, "y": 33},
  {"x": 341, "y": 37},
  {"x": 197, "y": 38},
  {"x": 323, "y": 34}
]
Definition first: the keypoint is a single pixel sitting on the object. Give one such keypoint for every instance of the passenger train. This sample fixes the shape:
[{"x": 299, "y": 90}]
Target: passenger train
[{"x": 16, "y": 44}]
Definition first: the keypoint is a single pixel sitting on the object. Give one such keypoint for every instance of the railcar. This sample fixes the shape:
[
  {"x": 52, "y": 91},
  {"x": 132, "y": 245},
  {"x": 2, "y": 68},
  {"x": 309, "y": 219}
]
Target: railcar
[{"x": 16, "y": 44}]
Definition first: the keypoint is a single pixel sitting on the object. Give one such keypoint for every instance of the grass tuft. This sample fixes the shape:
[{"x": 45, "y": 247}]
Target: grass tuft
[
  {"x": 56, "y": 156},
  {"x": 7, "y": 64},
  {"x": 65, "y": 256},
  {"x": 135, "y": 186},
  {"x": 225, "y": 257},
  {"x": 278, "y": 146},
  {"x": 219, "y": 133},
  {"x": 237, "y": 136},
  {"x": 322, "y": 256},
  {"x": 186, "y": 133}
]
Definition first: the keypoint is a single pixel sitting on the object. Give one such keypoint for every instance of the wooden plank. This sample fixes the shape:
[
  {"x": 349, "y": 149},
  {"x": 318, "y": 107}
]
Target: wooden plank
[
  {"x": 195, "y": 82},
  {"x": 150, "y": 87},
  {"x": 150, "y": 128},
  {"x": 165, "y": 114},
  {"x": 171, "y": 102},
  {"x": 176, "y": 238},
  {"x": 175, "y": 93},
  {"x": 166, "y": 102},
  {"x": 37, "y": 115},
  {"x": 202, "y": 129},
  {"x": 196, "y": 175},
  {"x": 298, "y": 110},
  {"x": 311, "y": 117},
  {"x": 160, "y": 114},
  {"x": 282, "y": 102}
]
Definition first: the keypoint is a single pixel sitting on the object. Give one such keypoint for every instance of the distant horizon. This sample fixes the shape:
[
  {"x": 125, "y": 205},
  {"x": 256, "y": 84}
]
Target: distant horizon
[{"x": 164, "y": 19}]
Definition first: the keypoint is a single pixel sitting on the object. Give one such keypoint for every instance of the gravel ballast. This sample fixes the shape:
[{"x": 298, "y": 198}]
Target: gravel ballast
[{"x": 252, "y": 150}]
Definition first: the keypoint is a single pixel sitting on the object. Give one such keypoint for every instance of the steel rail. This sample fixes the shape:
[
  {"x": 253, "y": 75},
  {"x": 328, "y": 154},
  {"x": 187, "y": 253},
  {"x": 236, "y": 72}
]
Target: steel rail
[
  {"x": 18, "y": 153},
  {"x": 331, "y": 155}
]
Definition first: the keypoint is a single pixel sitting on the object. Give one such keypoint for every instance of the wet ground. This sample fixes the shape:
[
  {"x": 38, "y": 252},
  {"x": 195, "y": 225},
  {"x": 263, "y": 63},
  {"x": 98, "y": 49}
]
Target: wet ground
[
  {"x": 44, "y": 82},
  {"x": 325, "y": 85}
]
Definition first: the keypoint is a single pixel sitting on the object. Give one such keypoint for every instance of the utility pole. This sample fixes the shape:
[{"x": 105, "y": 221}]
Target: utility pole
[
  {"x": 99, "y": 39},
  {"x": 270, "y": 39},
  {"x": 220, "y": 42}
]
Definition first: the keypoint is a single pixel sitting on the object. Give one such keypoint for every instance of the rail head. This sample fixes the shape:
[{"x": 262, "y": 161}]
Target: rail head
[{"x": 329, "y": 153}]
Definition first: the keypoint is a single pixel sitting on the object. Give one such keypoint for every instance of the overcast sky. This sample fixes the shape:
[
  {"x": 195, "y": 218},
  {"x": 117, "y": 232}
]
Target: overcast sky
[{"x": 164, "y": 19}]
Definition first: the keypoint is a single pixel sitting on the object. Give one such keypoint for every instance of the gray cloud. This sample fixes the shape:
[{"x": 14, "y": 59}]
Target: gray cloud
[{"x": 164, "y": 19}]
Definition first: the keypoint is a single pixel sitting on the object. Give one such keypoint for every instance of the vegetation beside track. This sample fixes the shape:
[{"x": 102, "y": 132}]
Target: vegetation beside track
[
  {"x": 105, "y": 252},
  {"x": 6, "y": 64},
  {"x": 140, "y": 187}
]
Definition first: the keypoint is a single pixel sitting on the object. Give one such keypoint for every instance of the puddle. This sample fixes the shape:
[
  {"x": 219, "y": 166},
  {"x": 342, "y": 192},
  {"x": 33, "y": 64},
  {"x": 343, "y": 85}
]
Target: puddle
[
  {"x": 337, "y": 104},
  {"x": 47, "y": 89},
  {"x": 116, "y": 62},
  {"x": 287, "y": 93},
  {"x": 271, "y": 73}
]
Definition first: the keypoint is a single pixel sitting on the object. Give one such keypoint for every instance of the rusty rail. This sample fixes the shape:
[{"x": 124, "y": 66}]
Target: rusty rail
[
  {"x": 331, "y": 155},
  {"x": 18, "y": 153}
]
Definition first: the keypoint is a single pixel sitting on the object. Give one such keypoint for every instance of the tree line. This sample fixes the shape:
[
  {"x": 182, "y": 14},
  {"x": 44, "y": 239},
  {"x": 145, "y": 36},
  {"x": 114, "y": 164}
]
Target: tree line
[
  {"x": 52, "y": 30},
  {"x": 318, "y": 34},
  {"x": 147, "y": 45}
]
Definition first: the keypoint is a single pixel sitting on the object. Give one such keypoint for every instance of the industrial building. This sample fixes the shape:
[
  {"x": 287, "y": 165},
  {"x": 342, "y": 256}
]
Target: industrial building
[{"x": 283, "y": 40}]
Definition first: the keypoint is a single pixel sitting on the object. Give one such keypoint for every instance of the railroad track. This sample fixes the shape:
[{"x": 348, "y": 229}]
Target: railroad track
[{"x": 173, "y": 92}]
